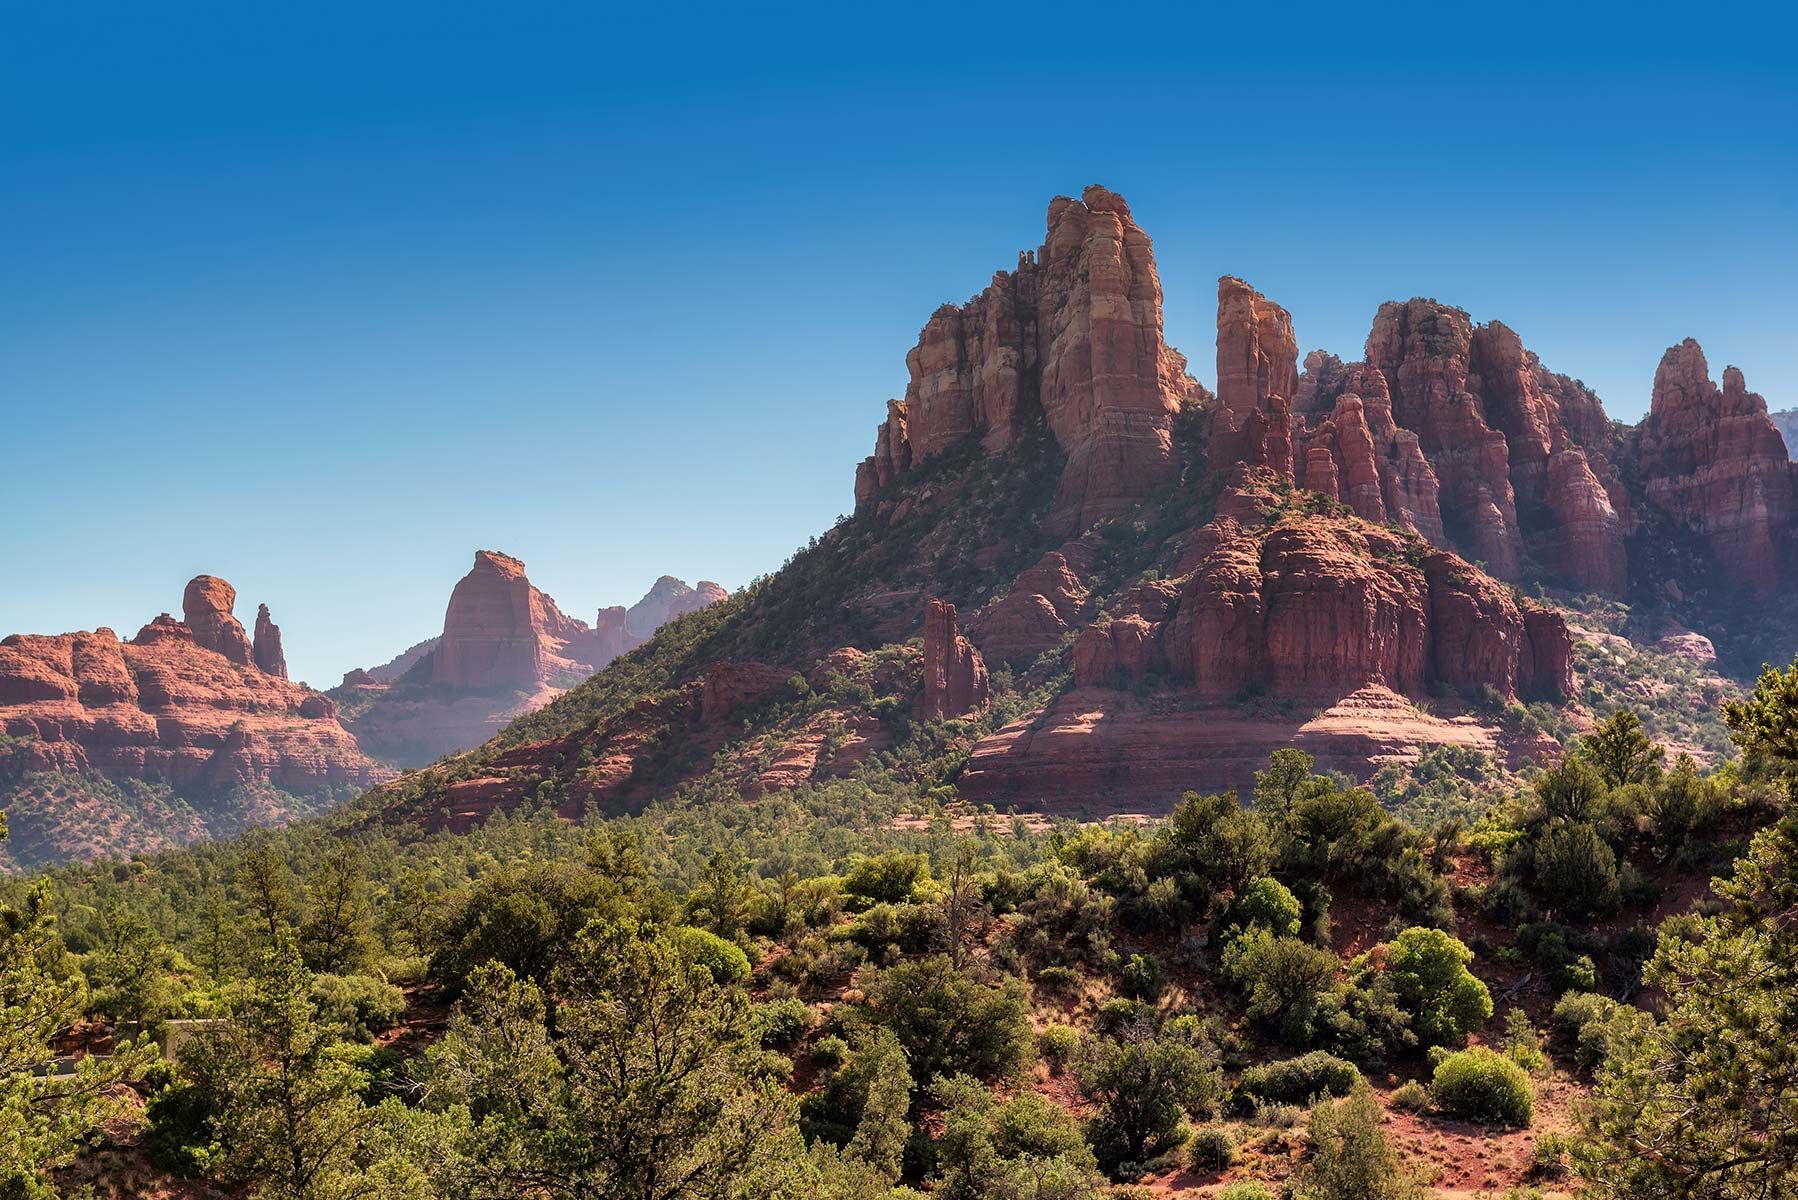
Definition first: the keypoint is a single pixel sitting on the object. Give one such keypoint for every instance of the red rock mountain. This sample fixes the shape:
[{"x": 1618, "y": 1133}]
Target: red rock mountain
[
  {"x": 182, "y": 703},
  {"x": 1073, "y": 335},
  {"x": 1714, "y": 460},
  {"x": 506, "y": 650},
  {"x": 1180, "y": 583}
]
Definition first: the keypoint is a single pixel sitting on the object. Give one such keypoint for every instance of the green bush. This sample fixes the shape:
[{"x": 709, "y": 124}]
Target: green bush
[
  {"x": 725, "y": 961},
  {"x": 1211, "y": 1148},
  {"x": 1247, "y": 1189},
  {"x": 357, "y": 1004},
  {"x": 1300, "y": 1080},
  {"x": 1429, "y": 975},
  {"x": 1411, "y": 1096},
  {"x": 1480, "y": 1085},
  {"x": 781, "y": 1023},
  {"x": 1141, "y": 978},
  {"x": 1058, "y": 1044},
  {"x": 1268, "y": 904},
  {"x": 892, "y": 878},
  {"x": 1576, "y": 872}
]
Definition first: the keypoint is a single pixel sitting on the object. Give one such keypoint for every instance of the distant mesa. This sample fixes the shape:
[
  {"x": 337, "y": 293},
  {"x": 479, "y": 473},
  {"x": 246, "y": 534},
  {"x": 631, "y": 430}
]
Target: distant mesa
[
  {"x": 506, "y": 649},
  {"x": 190, "y": 704}
]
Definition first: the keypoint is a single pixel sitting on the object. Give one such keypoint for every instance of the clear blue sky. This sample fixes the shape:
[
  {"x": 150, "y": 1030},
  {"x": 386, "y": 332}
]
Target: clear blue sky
[{"x": 323, "y": 297}]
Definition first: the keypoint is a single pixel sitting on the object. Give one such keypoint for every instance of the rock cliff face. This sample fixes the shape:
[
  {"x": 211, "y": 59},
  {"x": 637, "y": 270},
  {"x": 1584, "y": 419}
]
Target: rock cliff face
[
  {"x": 1074, "y": 333},
  {"x": 1044, "y": 603},
  {"x": 955, "y": 682},
  {"x": 175, "y": 705},
  {"x": 206, "y": 608},
  {"x": 500, "y": 631},
  {"x": 1713, "y": 459},
  {"x": 1316, "y": 608},
  {"x": 266, "y": 648},
  {"x": 506, "y": 650}
]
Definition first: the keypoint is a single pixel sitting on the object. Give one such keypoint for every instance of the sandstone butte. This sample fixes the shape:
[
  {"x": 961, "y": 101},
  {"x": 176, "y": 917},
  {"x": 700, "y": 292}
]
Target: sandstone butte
[
  {"x": 1448, "y": 445},
  {"x": 505, "y": 650},
  {"x": 1451, "y": 430},
  {"x": 184, "y": 703}
]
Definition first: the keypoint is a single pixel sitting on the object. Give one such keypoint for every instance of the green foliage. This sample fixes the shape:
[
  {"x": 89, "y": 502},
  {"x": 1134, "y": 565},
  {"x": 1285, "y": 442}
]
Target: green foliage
[
  {"x": 724, "y": 961},
  {"x": 1350, "y": 1157},
  {"x": 1024, "y": 1148},
  {"x": 1428, "y": 972},
  {"x": 894, "y": 877},
  {"x": 1210, "y": 1148},
  {"x": 1576, "y": 871},
  {"x": 1765, "y": 722},
  {"x": 1246, "y": 1189},
  {"x": 1621, "y": 752},
  {"x": 646, "y": 1085},
  {"x": 948, "y": 1022},
  {"x": 357, "y": 1006},
  {"x": 1478, "y": 1084},
  {"x": 1144, "y": 1081},
  {"x": 45, "y": 1115},
  {"x": 1285, "y": 981},
  {"x": 1299, "y": 1080},
  {"x": 1266, "y": 903},
  {"x": 862, "y": 1107},
  {"x": 1698, "y": 1101},
  {"x": 1142, "y": 977}
]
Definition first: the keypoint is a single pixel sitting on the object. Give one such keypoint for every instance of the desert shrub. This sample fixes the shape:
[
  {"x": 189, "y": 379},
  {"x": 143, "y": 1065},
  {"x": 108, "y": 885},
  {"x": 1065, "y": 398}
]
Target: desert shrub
[
  {"x": 1143, "y": 1082},
  {"x": 1211, "y": 1148},
  {"x": 1411, "y": 1096},
  {"x": 1548, "y": 1157},
  {"x": 1478, "y": 1084},
  {"x": 1246, "y": 1189},
  {"x": 1268, "y": 904},
  {"x": 1024, "y": 1146},
  {"x": 830, "y": 1051},
  {"x": 1285, "y": 980},
  {"x": 779, "y": 1024},
  {"x": 724, "y": 961},
  {"x": 1058, "y": 1044},
  {"x": 1350, "y": 1157},
  {"x": 1428, "y": 972},
  {"x": 1058, "y": 979},
  {"x": 1300, "y": 1080},
  {"x": 905, "y": 928},
  {"x": 357, "y": 1005},
  {"x": 1575, "y": 871},
  {"x": 890, "y": 878},
  {"x": 1142, "y": 978},
  {"x": 1522, "y": 1044},
  {"x": 949, "y": 1023}
]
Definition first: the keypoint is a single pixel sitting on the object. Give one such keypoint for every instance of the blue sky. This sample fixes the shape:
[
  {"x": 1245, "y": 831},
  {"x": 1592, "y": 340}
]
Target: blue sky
[{"x": 322, "y": 301}]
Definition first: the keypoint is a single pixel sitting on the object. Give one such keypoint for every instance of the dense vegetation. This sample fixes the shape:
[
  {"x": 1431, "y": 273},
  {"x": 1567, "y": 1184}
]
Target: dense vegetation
[{"x": 856, "y": 988}]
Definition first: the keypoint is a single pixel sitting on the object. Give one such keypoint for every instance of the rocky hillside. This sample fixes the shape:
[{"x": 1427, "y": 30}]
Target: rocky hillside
[
  {"x": 506, "y": 650},
  {"x": 189, "y": 727},
  {"x": 1127, "y": 587}
]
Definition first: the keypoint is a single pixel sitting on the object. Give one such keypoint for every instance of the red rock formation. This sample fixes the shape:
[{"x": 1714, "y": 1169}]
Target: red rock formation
[
  {"x": 206, "y": 608},
  {"x": 499, "y": 631},
  {"x": 1043, "y": 604},
  {"x": 954, "y": 674},
  {"x": 168, "y": 707},
  {"x": 1319, "y": 607},
  {"x": 1257, "y": 377},
  {"x": 1074, "y": 333},
  {"x": 667, "y": 599},
  {"x": 266, "y": 649},
  {"x": 1713, "y": 459},
  {"x": 1423, "y": 349},
  {"x": 730, "y": 686}
]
